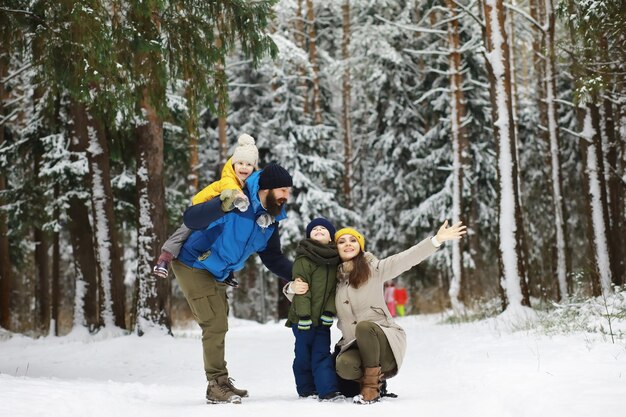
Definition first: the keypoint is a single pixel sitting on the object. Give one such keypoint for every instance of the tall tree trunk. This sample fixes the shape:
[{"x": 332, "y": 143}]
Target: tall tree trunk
[
  {"x": 6, "y": 278},
  {"x": 42, "y": 263},
  {"x": 514, "y": 100},
  {"x": 615, "y": 188},
  {"x": 596, "y": 202},
  {"x": 300, "y": 39},
  {"x": 510, "y": 31},
  {"x": 510, "y": 216},
  {"x": 562, "y": 253},
  {"x": 621, "y": 117},
  {"x": 539, "y": 65},
  {"x": 192, "y": 133},
  {"x": 86, "y": 306},
  {"x": 539, "y": 79},
  {"x": 109, "y": 254},
  {"x": 222, "y": 126},
  {"x": 460, "y": 149},
  {"x": 313, "y": 58},
  {"x": 154, "y": 302},
  {"x": 153, "y": 295},
  {"x": 346, "y": 122},
  {"x": 42, "y": 297},
  {"x": 56, "y": 269},
  {"x": 593, "y": 178}
]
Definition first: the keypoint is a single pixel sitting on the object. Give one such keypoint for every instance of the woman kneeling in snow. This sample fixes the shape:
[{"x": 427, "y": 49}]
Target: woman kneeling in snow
[{"x": 372, "y": 346}]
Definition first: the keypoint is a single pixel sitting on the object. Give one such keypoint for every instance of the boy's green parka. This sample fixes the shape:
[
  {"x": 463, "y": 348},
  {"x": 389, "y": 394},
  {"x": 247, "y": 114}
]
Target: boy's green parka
[{"x": 316, "y": 264}]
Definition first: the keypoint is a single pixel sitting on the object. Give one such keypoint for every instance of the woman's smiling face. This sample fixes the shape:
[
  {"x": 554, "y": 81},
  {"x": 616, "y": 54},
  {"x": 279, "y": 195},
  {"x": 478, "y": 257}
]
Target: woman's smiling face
[{"x": 348, "y": 247}]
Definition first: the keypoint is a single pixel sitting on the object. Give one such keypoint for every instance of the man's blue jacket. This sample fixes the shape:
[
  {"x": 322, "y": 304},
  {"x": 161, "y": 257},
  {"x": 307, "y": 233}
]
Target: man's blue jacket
[{"x": 226, "y": 243}]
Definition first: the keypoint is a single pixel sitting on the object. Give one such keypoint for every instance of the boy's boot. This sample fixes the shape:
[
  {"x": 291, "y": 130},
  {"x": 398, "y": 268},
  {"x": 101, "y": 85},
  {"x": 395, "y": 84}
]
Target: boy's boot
[
  {"x": 333, "y": 396},
  {"x": 370, "y": 386},
  {"x": 217, "y": 392}
]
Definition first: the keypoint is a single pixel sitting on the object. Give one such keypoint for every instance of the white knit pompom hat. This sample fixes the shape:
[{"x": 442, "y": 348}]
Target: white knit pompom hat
[{"x": 246, "y": 151}]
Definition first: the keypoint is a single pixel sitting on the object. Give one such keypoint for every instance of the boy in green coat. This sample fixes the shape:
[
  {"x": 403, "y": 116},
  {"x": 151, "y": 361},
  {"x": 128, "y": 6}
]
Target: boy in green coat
[{"x": 311, "y": 315}]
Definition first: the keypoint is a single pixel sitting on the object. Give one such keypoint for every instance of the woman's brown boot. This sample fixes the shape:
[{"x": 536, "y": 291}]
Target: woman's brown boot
[{"x": 370, "y": 386}]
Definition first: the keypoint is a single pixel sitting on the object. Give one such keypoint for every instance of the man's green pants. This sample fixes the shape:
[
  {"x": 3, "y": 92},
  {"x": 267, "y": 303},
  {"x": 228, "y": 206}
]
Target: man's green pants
[{"x": 209, "y": 305}]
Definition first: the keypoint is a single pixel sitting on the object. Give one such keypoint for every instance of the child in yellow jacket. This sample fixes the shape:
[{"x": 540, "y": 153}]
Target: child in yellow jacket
[{"x": 229, "y": 187}]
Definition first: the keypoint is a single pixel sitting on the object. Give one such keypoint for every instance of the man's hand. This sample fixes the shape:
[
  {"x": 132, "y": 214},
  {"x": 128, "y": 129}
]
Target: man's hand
[{"x": 298, "y": 286}]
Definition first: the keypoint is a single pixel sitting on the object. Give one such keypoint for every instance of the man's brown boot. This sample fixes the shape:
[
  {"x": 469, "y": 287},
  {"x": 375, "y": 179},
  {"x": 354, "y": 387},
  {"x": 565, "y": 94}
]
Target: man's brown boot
[
  {"x": 217, "y": 392},
  {"x": 370, "y": 386},
  {"x": 243, "y": 393}
]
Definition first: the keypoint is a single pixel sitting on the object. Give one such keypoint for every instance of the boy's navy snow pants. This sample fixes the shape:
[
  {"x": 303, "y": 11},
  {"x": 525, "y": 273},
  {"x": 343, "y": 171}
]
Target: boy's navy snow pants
[{"x": 313, "y": 366}]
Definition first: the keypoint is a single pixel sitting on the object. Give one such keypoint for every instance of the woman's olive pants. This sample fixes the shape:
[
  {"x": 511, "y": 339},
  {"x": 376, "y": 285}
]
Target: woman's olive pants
[{"x": 371, "y": 349}]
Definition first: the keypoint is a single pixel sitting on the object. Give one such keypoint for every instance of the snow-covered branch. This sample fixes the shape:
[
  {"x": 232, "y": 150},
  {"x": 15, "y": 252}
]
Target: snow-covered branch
[
  {"x": 467, "y": 10},
  {"x": 565, "y": 102},
  {"x": 15, "y": 100},
  {"x": 526, "y": 16},
  {"x": 411, "y": 27},
  {"x": 416, "y": 52},
  {"x": 15, "y": 74},
  {"x": 27, "y": 13},
  {"x": 9, "y": 116},
  {"x": 430, "y": 93},
  {"x": 575, "y": 134}
]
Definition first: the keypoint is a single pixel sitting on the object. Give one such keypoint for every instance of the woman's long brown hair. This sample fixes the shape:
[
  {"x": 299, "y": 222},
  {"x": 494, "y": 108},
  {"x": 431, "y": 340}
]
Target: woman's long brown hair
[{"x": 361, "y": 271}]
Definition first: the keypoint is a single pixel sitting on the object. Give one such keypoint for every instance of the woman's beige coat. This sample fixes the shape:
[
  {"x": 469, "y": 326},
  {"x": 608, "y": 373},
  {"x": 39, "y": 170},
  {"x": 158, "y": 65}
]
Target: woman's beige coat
[{"x": 367, "y": 302}]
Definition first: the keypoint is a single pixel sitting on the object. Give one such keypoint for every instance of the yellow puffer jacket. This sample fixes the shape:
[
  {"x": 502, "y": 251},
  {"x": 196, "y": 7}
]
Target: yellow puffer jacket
[{"x": 228, "y": 181}]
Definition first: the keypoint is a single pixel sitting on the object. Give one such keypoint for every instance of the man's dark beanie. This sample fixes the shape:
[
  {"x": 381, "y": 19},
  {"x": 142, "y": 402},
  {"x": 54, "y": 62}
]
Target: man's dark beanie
[
  {"x": 320, "y": 221},
  {"x": 274, "y": 176}
]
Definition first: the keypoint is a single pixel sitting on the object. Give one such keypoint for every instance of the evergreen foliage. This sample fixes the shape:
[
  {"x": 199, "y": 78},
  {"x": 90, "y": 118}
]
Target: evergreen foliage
[{"x": 249, "y": 62}]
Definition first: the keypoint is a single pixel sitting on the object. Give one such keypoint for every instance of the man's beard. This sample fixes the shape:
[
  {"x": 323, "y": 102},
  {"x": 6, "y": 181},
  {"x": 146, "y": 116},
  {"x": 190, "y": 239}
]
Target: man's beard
[{"x": 272, "y": 205}]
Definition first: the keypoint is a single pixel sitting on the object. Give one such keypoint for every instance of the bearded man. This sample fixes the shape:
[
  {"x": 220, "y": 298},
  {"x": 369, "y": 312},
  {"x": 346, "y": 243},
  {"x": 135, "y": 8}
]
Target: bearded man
[{"x": 222, "y": 246}]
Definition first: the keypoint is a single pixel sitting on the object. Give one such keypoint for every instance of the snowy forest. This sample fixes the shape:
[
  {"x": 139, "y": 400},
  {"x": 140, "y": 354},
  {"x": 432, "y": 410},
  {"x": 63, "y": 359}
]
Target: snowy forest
[{"x": 392, "y": 116}]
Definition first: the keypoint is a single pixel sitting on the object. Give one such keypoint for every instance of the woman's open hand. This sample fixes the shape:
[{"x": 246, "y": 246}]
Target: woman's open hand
[{"x": 454, "y": 232}]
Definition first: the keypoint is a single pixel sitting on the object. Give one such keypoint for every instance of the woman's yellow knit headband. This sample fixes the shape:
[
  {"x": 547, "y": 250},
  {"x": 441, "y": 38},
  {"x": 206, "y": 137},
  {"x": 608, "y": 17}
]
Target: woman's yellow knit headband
[{"x": 350, "y": 231}]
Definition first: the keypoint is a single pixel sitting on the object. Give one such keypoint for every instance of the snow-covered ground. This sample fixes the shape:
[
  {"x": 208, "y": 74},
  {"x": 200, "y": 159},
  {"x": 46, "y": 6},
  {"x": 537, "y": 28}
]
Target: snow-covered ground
[{"x": 477, "y": 369}]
